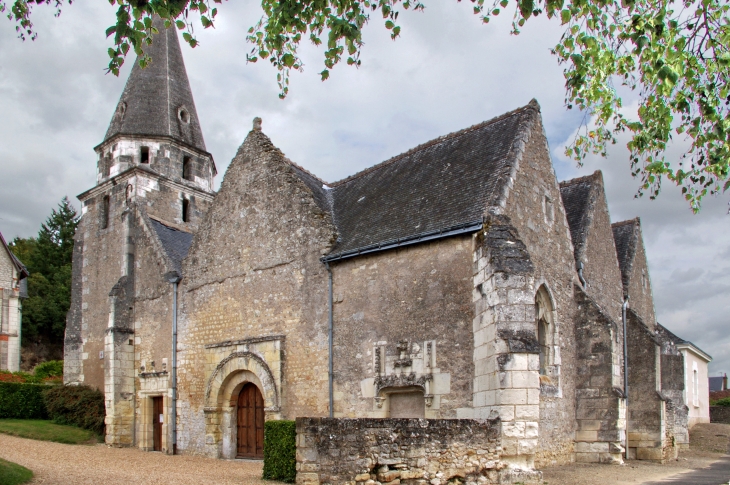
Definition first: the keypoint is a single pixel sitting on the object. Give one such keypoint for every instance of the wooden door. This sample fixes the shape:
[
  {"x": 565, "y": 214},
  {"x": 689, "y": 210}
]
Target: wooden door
[
  {"x": 157, "y": 418},
  {"x": 250, "y": 423}
]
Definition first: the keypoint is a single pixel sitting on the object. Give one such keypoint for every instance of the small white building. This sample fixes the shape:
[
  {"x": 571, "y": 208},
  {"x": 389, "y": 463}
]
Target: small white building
[
  {"x": 696, "y": 383},
  {"x": 13, "y": 288}
]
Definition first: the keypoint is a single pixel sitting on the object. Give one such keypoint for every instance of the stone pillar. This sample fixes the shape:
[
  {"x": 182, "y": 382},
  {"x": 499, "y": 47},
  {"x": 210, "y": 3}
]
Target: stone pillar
[
  {"x": 119, "y": 386},
  {"x": 600, "y": 407},
  {"x": 506, "y": 351}
]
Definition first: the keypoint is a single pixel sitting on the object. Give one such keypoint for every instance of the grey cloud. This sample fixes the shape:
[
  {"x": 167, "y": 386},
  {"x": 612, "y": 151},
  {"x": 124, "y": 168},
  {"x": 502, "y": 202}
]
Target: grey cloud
[{"x": 447, "y": 72}]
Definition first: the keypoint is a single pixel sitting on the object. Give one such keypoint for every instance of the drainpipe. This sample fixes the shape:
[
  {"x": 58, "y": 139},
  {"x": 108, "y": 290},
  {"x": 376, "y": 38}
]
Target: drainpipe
[
  {"x": 174, "y": 278},
  {"x": 626, "y": 373},
  {"x": 331, "y": 396}
]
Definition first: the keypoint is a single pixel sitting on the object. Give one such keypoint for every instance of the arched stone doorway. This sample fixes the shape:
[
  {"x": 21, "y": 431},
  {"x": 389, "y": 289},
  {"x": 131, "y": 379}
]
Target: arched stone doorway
[{"x": 250, "y": 423}]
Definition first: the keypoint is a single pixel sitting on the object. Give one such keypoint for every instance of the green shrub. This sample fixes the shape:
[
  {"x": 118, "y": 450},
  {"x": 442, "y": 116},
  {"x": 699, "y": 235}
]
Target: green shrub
[
  {"x": 52, "y": 368},
  {"x": 280, "y": 451},
  {"x": 22, "y": 401},
  {"x": 7, "y": 376},
  {"x": 79, "y": 406},
  {"x": 722, "y": 402}
]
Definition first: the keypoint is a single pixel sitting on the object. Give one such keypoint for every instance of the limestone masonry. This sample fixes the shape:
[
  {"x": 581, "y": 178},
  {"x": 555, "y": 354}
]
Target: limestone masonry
[{"x": 453, "y": 313}]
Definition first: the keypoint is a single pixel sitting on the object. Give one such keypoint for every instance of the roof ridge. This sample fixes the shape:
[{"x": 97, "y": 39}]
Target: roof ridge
[
  {"x": 635, "y": 220},
  {"x": 531, "y": 105},
  {"x": 171, "y": 225},
  {"x": 296, "y": 165},
  {"x": 576, "y": 180}
]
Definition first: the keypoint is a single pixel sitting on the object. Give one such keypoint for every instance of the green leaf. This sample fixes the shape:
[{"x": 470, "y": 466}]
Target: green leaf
[{"x": 565, "y": 16}]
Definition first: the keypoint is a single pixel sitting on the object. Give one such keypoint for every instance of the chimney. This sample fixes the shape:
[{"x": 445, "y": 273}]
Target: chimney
[{"x": 724, "y": 382}]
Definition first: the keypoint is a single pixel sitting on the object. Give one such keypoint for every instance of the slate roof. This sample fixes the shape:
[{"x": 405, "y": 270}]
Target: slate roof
[
  {"x": 625, "y": 236},
  {"x": 175, "y": 242},
  {"x": 717, "y": 383},
  {"x": 679, "y": 341},
  {"x": 16, "y": 262},
  {"x": 437, "y": 188},
  {"x": 154, "y": 96},
  {"x": 579, "y": 198},
  {"x": 671, "y": 336}
]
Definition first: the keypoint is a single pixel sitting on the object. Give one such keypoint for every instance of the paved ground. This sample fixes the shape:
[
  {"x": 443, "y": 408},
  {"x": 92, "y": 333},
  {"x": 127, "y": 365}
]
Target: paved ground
[
  {"x": 57, "y": 464},
  {"x": 716, "y": 474}
]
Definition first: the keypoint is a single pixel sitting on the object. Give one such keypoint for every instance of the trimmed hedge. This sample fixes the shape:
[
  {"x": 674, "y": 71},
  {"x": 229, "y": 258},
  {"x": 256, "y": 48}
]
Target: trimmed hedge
[
  {"x": 52, "y": 368},
  {"x": 722, "y": 402},
  {"x": 280, "y": 451},
  {"x": 22, "y": 401},
  {"x": 79, "y": 406}
]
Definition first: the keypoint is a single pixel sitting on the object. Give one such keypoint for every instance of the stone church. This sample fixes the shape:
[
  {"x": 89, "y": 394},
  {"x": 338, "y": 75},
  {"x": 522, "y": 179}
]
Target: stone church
[{"x": 457, "y": 280}]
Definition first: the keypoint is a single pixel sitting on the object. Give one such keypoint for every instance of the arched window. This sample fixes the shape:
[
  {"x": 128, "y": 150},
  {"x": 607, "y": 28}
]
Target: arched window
[
  {"x": 185, "y": 209},
  {"x": 188, "y": 168},
  {"x": 544, "y": 311},
  {"x": 104, "y": 213}
]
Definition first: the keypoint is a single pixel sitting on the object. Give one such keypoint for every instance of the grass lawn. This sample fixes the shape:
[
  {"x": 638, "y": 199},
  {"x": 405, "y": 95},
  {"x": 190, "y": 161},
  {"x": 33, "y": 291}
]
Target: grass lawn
[
  {"x": 13, "y": 474},
  {"x": 37, "y": 429}
]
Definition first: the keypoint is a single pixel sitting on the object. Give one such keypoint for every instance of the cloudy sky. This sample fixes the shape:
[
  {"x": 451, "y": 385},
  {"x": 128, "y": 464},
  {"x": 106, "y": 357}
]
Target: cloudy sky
[{"x": 445, "y": 73}]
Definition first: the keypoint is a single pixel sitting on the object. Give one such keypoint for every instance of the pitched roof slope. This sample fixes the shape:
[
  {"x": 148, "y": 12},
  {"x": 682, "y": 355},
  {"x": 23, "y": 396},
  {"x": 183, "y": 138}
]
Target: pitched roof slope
[
  {"x": 626, "y": 237},
  {"x": 20, "y": 267},
  {"x": 579, "y": 198},
  {"x": 175, "y": 242},
  {"x": 153, "y": 97},
  {"x": 442, "y": 184}
]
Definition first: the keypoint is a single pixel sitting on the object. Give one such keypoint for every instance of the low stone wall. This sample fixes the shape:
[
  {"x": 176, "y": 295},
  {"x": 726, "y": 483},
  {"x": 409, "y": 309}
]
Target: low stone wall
[
  {"x": 720, "y": 414},
  {"x": 401, "y": 451}
]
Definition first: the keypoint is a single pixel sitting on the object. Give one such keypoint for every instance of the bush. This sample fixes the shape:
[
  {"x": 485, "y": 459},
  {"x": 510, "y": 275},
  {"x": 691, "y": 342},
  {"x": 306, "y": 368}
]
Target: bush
[
  {"x": 52, "y": 368},
  {"x": 22, "y": 401},
  {"x": 280, "y": 451},
  {"x": 722, "y": 402},
  {"x": 79, "y": 406},
  {"x": 7, "y": 376}
]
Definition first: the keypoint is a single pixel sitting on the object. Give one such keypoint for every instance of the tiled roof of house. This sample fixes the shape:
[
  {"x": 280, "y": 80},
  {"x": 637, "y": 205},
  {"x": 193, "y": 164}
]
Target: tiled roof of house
[
  {"x": 175, "y": 242},
  {"x": 16, "y": 262},
  {"x": 437, "y": 187},
  {"x": 625, "y": 236},
  {"x": 579, "y": 198},
  {"x": 153, "y": 97}
]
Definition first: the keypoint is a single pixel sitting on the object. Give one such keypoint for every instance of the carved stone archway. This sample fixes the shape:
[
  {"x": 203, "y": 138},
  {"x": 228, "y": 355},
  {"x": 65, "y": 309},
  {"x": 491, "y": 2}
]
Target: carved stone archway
[{"x": 221, "y": 397}]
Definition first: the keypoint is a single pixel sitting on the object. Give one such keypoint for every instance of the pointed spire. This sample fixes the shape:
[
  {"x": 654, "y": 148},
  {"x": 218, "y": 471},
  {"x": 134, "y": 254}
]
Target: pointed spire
[{"x": 157, "y": 100}]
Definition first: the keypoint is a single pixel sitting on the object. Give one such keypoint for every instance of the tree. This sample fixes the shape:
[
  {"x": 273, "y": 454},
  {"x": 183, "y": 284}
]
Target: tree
[
  {"x": 674, "y": 53},
  {"x": 48, "y": 259}
]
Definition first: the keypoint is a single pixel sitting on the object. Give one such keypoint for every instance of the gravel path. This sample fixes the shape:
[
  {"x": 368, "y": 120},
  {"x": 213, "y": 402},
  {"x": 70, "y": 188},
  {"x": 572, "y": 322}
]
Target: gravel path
[{"x": 57, "y": 464}]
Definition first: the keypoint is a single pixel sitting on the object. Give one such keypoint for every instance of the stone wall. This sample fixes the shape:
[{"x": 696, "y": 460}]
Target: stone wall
[
  {"x": 641, "y": 299},
  {"x": 252, "y": 275},
  {"x": 10, "y": 316},
  {"x": 601, "y": 412},
  {"x": 536, "y": 212},
  {"x": 646, "y": 407},
  {"x": 720, "y": 414},
  {"x": 400, "y": 451},
  {"x": 672, "y": 375},
  {"x": 401, "y": 323}
]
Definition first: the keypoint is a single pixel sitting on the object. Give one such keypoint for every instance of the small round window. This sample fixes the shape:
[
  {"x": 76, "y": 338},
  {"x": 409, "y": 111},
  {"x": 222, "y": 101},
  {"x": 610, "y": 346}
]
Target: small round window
[{"x": 183, "y": 114}]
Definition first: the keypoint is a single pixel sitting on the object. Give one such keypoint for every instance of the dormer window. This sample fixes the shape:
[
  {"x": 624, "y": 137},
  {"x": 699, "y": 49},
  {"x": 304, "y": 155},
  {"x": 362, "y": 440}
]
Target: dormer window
[
  {"x": 184, "y": 115},
  {"x": 145, "y": 155}
]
